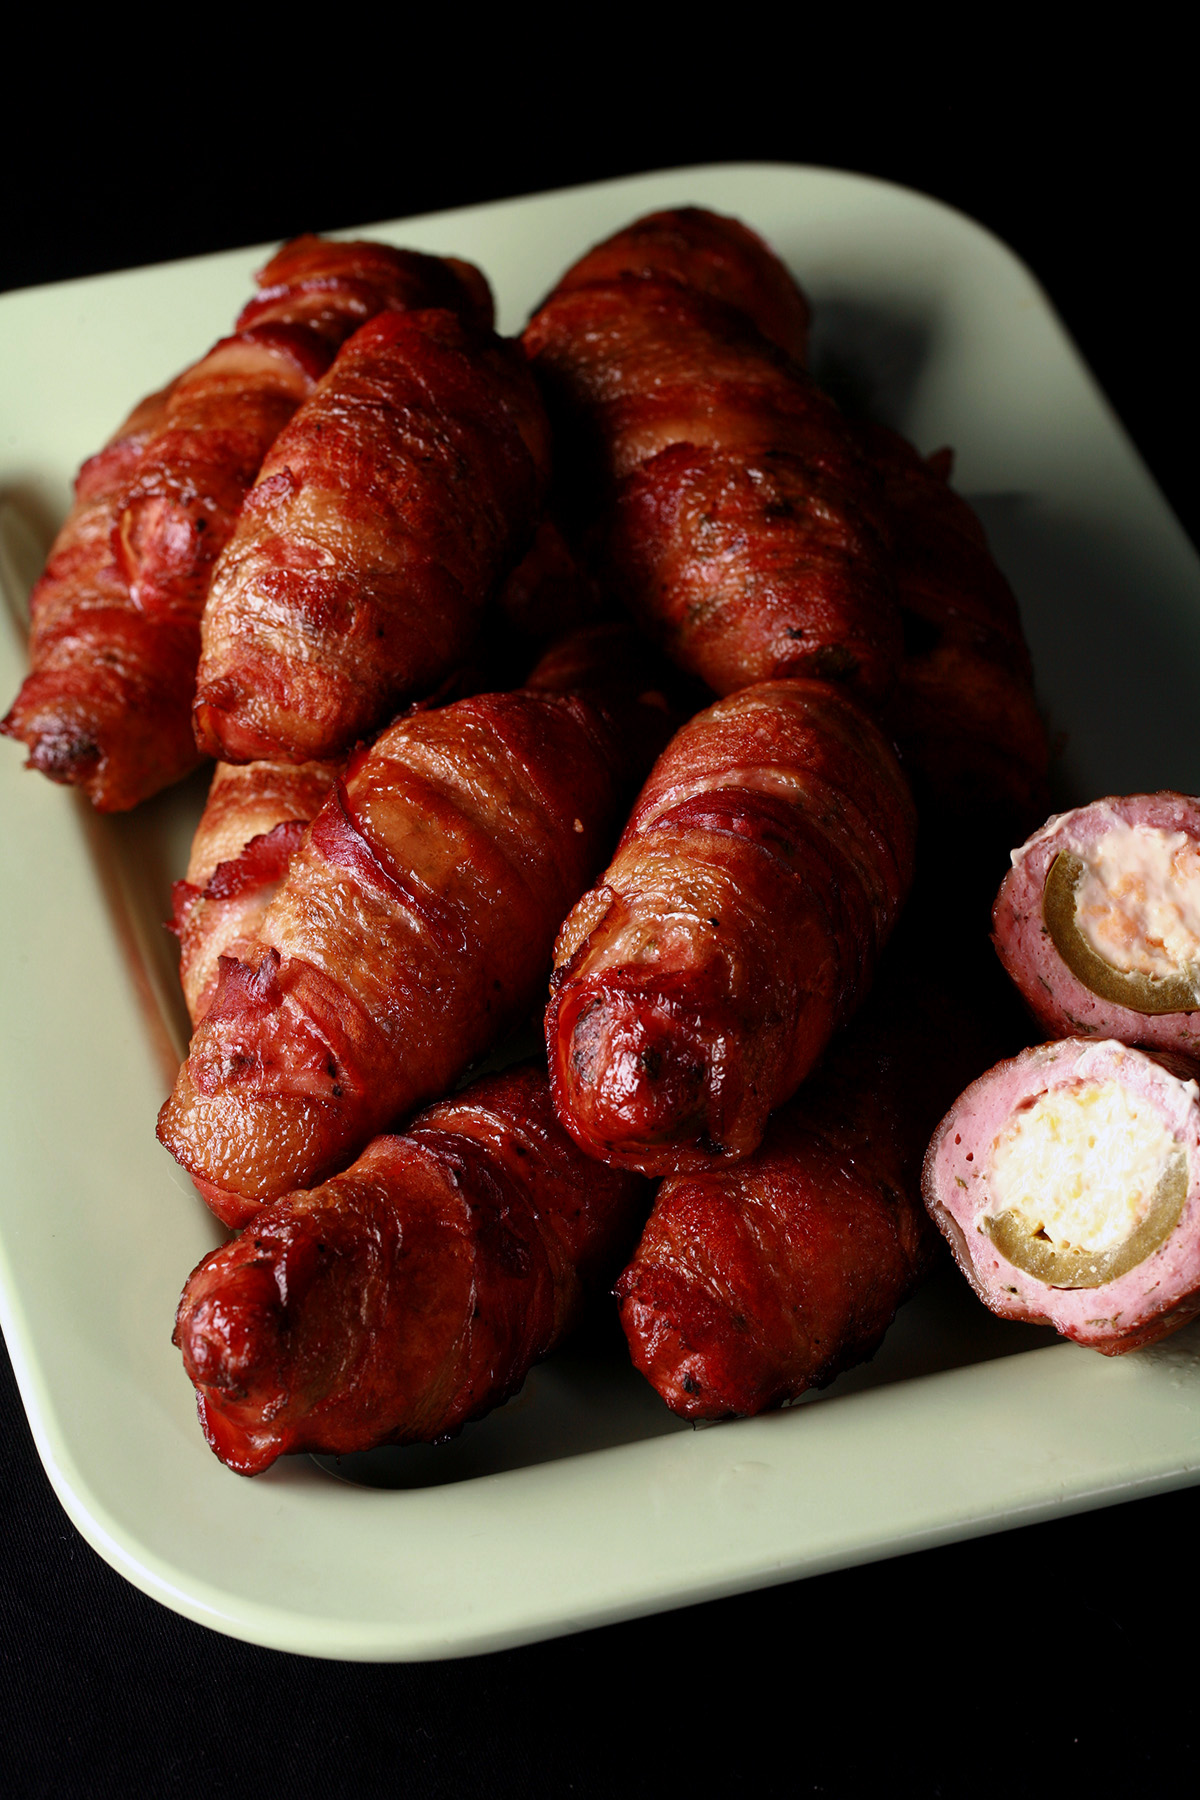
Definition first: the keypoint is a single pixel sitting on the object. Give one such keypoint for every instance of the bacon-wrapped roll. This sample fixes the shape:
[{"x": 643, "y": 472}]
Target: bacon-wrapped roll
[
  {"x": 758, "y": 1282},
  {"x": 250, "y": 829},
  {"x": 1098, "y": 921},
  {"x": 333, "y": 286},
  {"x": 256, "y": 813},
  {"x": 716, "y": 485},
  {"x": 406, "y": 488},
  {"x": 737, "y": 926},
  {"x": 1067, "y": 1182},
  {"x": 224, "y": 414},
  {"x": 115, "y": 631},
  {"x": 115, "y": 619},
  {"x": 99, "y": 709},
  {"x": 411, "y": 1293},
  {"x": 963, "y": 710},
  {"x": 412, "y": 932},
  {"x": 753, "y": 1283},
  {"x": 711, "y": 253}
]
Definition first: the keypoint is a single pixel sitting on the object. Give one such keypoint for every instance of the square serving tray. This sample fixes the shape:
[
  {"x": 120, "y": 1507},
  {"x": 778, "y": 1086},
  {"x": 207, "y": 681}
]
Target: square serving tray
[{"x": 582, "y": 1501}]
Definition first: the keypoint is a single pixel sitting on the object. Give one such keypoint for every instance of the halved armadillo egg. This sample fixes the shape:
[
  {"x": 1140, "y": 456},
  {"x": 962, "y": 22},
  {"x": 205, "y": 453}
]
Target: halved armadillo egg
[
  {"x": 1067, "y": 1182},
  {"x": 1098, "y": 921}
]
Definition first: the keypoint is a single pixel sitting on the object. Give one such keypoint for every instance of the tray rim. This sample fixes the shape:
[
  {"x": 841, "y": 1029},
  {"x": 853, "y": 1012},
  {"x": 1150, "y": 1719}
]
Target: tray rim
[{"x": 1116, "y": 1472}]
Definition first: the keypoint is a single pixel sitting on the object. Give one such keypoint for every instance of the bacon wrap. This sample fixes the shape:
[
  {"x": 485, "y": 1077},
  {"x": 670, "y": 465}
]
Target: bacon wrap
[
  {"x": 412, "y": 933},
  {"x": 712, "y": 254},
  {"x": 752, "y": 1285},
  {"x": 333, "y": 287},
  {"x": 115, "y": 634},
  {"x": 403, "y": 492},
  {"x": 755, "y": 1283},
  {"x": 222, "y": 416},
  {"x": 963, "y": 711},
  {"x": 1062, "y": 1003},
  {"x": 737, "y": 926},
  {"x": 100, "y": 709},
  {"x": 718, "y": 488},
  {"x": 251, "y": 827},
  {"x": 411, "y": 1293},
  {"x": 1158, "y": 1288}
]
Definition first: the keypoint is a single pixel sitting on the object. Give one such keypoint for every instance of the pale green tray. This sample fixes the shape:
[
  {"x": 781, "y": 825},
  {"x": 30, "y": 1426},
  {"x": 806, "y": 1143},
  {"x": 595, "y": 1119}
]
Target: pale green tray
[{"x": 583, "y": 1501}]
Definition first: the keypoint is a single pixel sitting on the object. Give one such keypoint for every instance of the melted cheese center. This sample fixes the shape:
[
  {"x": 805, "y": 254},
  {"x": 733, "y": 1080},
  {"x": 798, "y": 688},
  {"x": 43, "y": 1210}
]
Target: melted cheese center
[
  {"x": 1081, "y": 1166},
  {"x": 1137, "y": 902}
]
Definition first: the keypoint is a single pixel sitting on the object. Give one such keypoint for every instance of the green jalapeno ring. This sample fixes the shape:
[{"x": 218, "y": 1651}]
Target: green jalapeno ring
[
  {"x": 1070, "y": 1268},
  {"x": 1140, "y": 993}
]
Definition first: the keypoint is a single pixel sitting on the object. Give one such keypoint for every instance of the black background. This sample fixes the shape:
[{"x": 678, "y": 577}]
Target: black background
[{"x": 1042, "y": 1660}]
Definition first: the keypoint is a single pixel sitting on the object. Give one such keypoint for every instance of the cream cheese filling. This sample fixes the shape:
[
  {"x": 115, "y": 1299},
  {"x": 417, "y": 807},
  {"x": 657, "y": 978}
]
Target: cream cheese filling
[
  {"x": 1137, "y": 902},
  {"x": 1081, "y": 1167}
]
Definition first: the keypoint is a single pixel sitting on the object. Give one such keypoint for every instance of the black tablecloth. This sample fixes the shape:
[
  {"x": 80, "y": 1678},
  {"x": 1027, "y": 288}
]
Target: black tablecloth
[{"x": 1037, "y": 1660}]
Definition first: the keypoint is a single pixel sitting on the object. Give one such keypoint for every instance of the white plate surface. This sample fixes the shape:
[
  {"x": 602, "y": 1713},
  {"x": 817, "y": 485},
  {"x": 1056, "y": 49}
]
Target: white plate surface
[{"x": 583, "y": 1501}]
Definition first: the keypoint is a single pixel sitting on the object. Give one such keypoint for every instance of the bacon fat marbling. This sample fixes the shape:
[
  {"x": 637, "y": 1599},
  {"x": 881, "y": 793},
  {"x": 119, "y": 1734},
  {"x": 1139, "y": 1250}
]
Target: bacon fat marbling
[{"x": 252, "y": 825}]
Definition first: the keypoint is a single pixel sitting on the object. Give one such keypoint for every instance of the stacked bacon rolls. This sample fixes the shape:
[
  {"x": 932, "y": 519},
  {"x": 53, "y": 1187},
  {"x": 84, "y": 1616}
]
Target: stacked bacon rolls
[
  {"x": 828, "y": 583},
  {"x": 373, "y": 901},
  {"x": 116, "y": 617}
]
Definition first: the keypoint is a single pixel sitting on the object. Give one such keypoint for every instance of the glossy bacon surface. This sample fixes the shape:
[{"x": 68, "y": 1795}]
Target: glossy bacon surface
[
  {"x": 406, "y": 488},
  {"x": 714, "y": 255},
  {"x": 224, "y": 414},
  {"x": 963, "y": 710},
  {"x": 411, "y": 1293},
  {"x": 412, "y": 933},
  {"x": 333, "y": 286},
  {"x": 115, "y": 633},
  {"x": 754, "y": 1283},
  {"x": 115, "y": 636},
  {"x": 715, "y": 485},
  {"x": 99, "y": 709},
  {"x": 251, "y": 827},
  {"x": 737, "y": 926}
]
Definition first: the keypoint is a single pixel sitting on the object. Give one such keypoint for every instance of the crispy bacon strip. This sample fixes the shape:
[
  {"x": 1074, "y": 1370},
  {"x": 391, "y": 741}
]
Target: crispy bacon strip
[
  {"x": 115, "y": 631},
  {"x": 411, "y": 1293},
  {"x": 716, "y": 486},
  {"x": 334, "y": 286},
  {"x": 412, "y": 932},
  {"x": 405, "y": 489},
  {"x": 252, "y": 826},
  {"x": 713, "y": 255},
  {"x": 98, "y": 710},
  {"x": 737, "y": 926}
]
